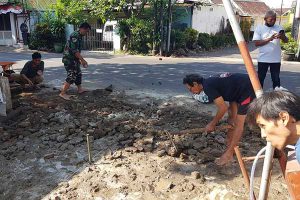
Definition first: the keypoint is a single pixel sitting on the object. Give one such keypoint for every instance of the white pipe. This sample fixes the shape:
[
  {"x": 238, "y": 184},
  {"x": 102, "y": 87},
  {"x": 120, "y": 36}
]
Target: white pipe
[
  {"x": 253, "y": 172},
  {"x": 233, "y": 22},
  {"x": 258, "y": 91},
  {"x": 264, "y": 184}
]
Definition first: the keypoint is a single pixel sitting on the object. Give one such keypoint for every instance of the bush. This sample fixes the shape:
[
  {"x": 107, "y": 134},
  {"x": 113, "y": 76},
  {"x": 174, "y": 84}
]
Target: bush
[
  {"x": 291, "y": 46},
  {"x": 287, "y": 27},
  {"x": 137, "y": 33},
  {"x": 41, "y": 38},
  {"x": 178, "y": 39},
  {"x": 57, "y": 27},
  {"x": 49, "y": 31},
  {"x": 205, "y": 41},
  {"x": 191, "y": 37},
  {"x": 209, "y": 42}
]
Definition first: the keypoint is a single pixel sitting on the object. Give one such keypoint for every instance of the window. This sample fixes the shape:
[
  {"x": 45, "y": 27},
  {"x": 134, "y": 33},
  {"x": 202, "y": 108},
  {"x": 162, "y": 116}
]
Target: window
[
  {"x": 109, "y": 28},
  {"x": 5, "y": 22},
  {"x": 211, "y": 9}
]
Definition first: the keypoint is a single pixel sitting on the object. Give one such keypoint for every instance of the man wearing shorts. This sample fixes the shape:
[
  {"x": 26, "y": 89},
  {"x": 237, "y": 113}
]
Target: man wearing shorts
[
  {"x": 237, "y": 90},
  {"x": 72, "y": 60}
]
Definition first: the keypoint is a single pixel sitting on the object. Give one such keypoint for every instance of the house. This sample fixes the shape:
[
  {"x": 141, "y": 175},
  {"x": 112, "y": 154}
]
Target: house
[
  {"x": 211, "y": 17},
  {"x": 12, "y": 15},
  {"x": 255, "y": 11}
]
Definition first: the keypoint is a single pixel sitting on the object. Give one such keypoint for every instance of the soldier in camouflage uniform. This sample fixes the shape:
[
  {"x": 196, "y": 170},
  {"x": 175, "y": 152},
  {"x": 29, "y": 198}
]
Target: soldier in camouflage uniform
[{"x": 72, "y": 60}]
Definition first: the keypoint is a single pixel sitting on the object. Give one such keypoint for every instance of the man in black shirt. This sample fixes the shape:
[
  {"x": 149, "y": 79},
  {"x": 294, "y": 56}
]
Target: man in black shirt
[
  {"x": 32, "y": 72},
  {"x": 234, "y": 88}
]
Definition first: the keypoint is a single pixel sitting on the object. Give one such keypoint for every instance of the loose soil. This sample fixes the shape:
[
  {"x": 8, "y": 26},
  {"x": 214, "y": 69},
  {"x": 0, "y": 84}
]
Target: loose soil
[{"x": 43, "y": 150}]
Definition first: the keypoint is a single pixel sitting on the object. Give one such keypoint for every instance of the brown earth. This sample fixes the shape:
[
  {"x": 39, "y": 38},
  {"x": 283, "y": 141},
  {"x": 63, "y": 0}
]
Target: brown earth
[{"x": 43, "y": 151}]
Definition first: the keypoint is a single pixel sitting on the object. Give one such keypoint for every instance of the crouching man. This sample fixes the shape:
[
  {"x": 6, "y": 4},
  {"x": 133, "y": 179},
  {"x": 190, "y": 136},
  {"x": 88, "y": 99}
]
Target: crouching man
[
  {"x": 278, "y": 116},
  {"x": 32, "y": 72},
  {"x": 234, "y": 88}
]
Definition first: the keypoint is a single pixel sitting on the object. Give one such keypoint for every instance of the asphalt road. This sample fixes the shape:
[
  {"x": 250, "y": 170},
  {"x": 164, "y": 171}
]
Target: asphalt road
[{"x": 148, "y": 75}]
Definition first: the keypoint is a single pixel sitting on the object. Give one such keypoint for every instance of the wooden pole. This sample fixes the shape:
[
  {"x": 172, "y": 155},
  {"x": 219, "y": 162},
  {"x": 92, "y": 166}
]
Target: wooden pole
[
  {"x": 243, "y": 168},
  {"x": 4, "y": 85}
]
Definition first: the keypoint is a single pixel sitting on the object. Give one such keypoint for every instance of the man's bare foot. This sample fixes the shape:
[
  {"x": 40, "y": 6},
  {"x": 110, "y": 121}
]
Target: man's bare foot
[
  {"x": 66, "y": 96},
  {"x": 82, "y": 90},
  {"x": 225, "y": 159}
]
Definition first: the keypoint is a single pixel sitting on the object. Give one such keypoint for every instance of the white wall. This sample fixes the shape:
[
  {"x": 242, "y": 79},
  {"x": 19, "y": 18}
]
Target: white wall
[
  {"x": 260, "y": 21},
  {"x": 13, "y": 28},
  {"x": 207, "y": 19}
]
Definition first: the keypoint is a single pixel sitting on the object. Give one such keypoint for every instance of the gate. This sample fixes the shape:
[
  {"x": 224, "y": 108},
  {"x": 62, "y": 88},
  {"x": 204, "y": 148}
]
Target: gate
[{"x": 97, "y": 39}]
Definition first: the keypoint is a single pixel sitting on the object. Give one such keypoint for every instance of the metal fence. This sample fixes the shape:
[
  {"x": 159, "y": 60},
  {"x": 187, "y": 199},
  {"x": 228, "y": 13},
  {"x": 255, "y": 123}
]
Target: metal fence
[{"x": 98, "y": 39}]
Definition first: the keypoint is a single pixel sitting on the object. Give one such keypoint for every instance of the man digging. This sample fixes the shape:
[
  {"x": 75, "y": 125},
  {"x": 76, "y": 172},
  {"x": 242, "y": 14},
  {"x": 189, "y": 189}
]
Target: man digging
[
  {"x": 32, "y": 72},
  {"x": 72, "y": 60},
  {"x": 234, "y": 88}
]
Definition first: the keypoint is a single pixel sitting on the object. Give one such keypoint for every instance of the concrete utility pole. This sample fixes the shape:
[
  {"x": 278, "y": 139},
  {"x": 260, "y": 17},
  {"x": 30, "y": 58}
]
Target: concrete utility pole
[
  {"x": 280, "y": 12},
  {"x": 161, "y": 29},
  {"x": 169, "y": 25},
  {"x": 265, "y": 179}
]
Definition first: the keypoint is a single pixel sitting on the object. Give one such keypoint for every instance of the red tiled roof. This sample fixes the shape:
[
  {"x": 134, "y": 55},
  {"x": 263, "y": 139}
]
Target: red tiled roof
[
  {"x": 8, "y": 8},
  {"x": 252, "y": 8},
  {"x": 284, "y": 10},
  {"x": 217, "y": 1}
]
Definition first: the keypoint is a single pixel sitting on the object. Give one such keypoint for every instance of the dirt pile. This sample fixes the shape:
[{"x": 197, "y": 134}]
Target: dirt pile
[{"x": 43, "y": 151}]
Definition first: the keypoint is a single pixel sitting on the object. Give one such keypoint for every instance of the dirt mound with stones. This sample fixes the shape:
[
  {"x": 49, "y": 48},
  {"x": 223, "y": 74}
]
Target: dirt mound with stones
[{"x": 43, "y": 151}]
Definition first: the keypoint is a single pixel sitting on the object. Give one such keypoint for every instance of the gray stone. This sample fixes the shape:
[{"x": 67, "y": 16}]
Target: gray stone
[
  {"x": 137, "y": 135},
  {"x": 198, "y": 145},
  {"x": 71, "y": 147},
  {"x": 22, "y": 153},
  {"x": 192, "y": 152},
  {"x": 24, "y": 124},
  {"x": 63, "y": 147},
  {"x": 127, "y": 127},
  {"x": 44, "y": 121},
  {"x": 61, "y": 138},
  {"x": 93, "y": 124},
  {"x": 161, "y": 153},
  {"x": 220, "y": 139},
  {"x": 53, "y": 137},
  {"x": 84, "y": 122},
  {"x": 66, "y": 131},
  {"x": 72, "y": 126},
  {"x": 90, "y": 131},
  {"x": 49, "y": 156}
]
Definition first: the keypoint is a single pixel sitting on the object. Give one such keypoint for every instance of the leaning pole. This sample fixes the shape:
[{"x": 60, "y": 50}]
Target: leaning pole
[{"x": 263, "y": 193}]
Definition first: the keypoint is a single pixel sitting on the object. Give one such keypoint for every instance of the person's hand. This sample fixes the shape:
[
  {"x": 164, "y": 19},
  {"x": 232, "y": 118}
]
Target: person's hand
[
  {"x": 231, "y": 121},
  {"x": 210, "y": 127},
  {"x": 274, "y": 36},
  {"x": 281, "y": 36},
  {"x": 39, "y": 72},
  {"x": 84, "y": 63},
  {"x": 30, "y": 82}
]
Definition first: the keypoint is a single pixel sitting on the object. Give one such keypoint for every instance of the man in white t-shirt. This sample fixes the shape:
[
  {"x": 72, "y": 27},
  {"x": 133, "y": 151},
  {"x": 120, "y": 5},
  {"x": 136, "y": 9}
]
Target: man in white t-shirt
[{"x": 267, "y": 37}]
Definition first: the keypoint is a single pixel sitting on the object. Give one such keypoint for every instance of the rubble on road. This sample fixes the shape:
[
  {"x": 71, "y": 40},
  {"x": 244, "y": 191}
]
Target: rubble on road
[{"x": 43, "y": 153}]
